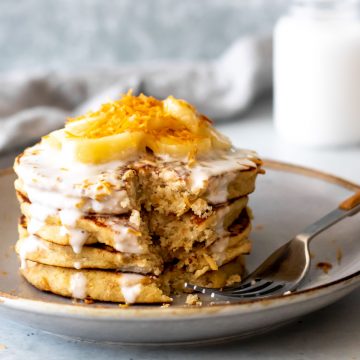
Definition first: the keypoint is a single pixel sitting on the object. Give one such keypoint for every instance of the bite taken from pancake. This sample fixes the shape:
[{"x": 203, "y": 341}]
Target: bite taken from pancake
[{"x": 128, "y": 202}]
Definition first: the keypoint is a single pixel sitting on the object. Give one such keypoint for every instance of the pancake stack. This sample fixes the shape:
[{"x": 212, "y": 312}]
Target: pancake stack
[{"x": 132, "y": 229}]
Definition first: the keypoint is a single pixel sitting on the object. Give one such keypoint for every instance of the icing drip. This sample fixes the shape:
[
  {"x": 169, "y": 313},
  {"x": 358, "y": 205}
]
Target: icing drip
[
  {"x": 29, "y": 245},
  {"x": 34, "y": 225},
  {"x": 125, "y": 241},
  {"x": 77, "y": 238},
  {"x": 218, "y": 189},
  {"x": 77, "y": 265},
  {"x": 70, "y": 217},
  {"x": 39, "y": 214},
  {"x": 130, "y": 287},
  {"x": 220, "y": 219},
  {"x": 218, "y": 249},
  {"x": 78, "y": 284}
]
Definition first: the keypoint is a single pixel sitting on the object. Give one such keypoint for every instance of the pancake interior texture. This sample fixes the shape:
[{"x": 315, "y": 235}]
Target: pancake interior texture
[{"x": 127, "y": 203}]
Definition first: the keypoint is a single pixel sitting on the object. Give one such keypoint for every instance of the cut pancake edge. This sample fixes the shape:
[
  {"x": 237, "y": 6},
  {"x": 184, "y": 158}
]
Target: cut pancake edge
[{"x": 235, "y": 242}]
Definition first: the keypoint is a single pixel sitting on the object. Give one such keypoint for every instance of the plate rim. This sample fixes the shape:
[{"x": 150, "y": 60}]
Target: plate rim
[{"x": 136, "y": 312}]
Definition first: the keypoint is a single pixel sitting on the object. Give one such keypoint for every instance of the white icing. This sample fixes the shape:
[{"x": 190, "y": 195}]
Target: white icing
[
  {"x": 124, "y": 240},
  {"x": 77, "y": 265},
  {"x": 39, "y": 214},
  {"x": 78, "y": 284},
  {"x": 29, "y": 245},
  {"x": 34, "y": 225},
  {"x": 220, "y": 219},
  {"x": 218, "y": 190},
  {"x": 50, "y": 180},
  {"x": 117, "y": 203},
  {"x": 220, "y": 245},
  {"x": 70, "y": 217},
  {"x": 49, "y": 170},
  {"x": 218, "y": 249},
  {"x": 202, "y": 171},
  {"x": 77, "y": 238},
  {"x": 198, "y": 178},
  {"x": 130, "y": 287}
]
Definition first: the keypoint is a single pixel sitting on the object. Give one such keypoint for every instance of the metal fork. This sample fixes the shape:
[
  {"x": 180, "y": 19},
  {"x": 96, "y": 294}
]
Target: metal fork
[{"x": 284, "y": 270}]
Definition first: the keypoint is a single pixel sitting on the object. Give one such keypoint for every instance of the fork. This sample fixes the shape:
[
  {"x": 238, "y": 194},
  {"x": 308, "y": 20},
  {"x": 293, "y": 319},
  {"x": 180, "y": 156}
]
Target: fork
[{"x": 284, "y": 270}]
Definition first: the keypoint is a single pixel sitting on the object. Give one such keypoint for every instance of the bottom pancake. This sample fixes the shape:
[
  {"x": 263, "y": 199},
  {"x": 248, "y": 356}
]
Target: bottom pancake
[
  {"x": 125, "y": 287},
  {"x": 95, "y": 284}
]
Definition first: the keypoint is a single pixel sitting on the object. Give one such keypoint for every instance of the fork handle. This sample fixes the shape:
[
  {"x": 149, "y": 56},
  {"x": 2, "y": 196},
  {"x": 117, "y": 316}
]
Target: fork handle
[
  {"x": 348, "y": 207},
  {"x": 350, "y": 202}
]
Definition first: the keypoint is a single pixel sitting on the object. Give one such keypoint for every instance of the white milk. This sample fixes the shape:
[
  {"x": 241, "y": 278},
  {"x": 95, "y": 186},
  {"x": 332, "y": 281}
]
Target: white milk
[{"x": 317, "y": 73}]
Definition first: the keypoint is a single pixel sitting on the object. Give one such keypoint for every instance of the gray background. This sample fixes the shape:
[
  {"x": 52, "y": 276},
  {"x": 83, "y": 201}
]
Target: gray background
[{"x": 75, "y": 33}]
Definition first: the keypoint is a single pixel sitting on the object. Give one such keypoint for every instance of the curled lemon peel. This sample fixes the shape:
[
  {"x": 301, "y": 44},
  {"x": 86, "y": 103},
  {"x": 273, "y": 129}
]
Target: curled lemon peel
[{"x": 134, "y": 113}]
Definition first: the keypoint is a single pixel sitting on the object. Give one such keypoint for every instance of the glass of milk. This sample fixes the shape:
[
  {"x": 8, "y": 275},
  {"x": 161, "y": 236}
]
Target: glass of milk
[{"x": 317, "y": 73}]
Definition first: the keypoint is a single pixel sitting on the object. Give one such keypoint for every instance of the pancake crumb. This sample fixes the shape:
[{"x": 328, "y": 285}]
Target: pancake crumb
[
  {"x": 339, "y": 255},
  {"x": 233, "y": 279},
  {"x": 324, "y": 266},
  {"x": 193, "y": 299}
]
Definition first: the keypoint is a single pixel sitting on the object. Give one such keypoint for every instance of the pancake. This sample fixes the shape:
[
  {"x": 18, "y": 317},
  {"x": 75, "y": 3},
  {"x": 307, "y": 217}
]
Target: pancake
[
  {"x": 124, "y": 287},
  {"x": 95, "y": 284},
  {"x": 169, "y": 187},
  {"x": 99, "y": 256},
  {"x": 124, "y": 233}
]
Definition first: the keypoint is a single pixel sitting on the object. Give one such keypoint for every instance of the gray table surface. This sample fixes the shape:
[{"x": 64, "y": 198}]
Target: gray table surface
[{"x": 331, "y": 333}]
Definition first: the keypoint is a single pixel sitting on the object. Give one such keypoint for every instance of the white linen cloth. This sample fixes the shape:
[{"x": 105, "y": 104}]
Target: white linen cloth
[{"x": 33, "y": 104}]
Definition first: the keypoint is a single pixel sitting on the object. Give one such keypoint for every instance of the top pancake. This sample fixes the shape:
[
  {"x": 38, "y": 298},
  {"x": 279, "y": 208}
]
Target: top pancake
[{"x": 171, "y": 187}]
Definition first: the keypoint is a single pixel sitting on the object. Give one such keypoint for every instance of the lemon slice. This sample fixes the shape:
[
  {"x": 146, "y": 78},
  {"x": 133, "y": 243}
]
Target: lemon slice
[
  {"x": 183, "y": 112},
  {"x": 81, "y": 127},
  {"x": 109, "y": 148},
  {"x": 173, "y": 147},
  {"x": 218, "y": 140}
]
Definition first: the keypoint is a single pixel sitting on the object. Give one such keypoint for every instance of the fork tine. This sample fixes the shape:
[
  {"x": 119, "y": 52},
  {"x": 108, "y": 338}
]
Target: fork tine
[
  {"x": 239, "y": 286},
  {"x": 263, "y": 288},
  {"x": 256, "y": 288},
  {"x": 205, "y": 290},
  {"x": 248, "y": 286},
  {"x": 271, "y": 290}
]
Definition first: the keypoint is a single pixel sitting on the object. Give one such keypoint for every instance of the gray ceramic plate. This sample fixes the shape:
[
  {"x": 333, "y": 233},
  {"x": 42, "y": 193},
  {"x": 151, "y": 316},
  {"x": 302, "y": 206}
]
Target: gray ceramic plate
[{"x": 286, "y": 199}]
